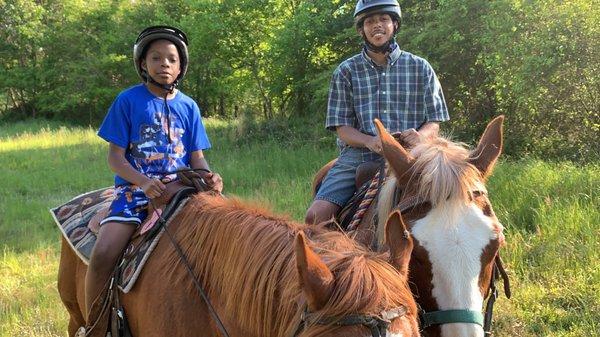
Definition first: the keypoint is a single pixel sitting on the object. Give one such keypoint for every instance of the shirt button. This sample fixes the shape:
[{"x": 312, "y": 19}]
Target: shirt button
[
  {"x": 384, "y": 92},
  {"x": 384, "y": 111},
  {"x": 383, "y": 74}
]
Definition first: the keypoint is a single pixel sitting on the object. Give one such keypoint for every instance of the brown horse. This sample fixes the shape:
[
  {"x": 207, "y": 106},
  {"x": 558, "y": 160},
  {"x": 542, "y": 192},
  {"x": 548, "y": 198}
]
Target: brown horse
[
  {"x": 439, "y": 187},
  {"x": 266, "y": 276}
]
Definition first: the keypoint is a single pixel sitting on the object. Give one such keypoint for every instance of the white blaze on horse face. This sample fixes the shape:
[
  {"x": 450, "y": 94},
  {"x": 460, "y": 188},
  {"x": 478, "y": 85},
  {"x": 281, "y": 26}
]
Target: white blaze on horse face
[{"x": 454, "y": 237}]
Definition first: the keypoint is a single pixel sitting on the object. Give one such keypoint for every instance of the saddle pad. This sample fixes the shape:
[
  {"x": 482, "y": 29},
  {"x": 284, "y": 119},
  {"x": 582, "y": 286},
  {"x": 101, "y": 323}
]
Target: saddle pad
[{"x": 73, "y": 217}]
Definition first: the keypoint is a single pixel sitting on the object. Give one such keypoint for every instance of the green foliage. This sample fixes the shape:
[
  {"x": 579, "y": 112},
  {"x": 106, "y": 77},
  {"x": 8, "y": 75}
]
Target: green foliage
[
  {"x": 543, "y": 56},
  {"x": 534, "y": 61}
]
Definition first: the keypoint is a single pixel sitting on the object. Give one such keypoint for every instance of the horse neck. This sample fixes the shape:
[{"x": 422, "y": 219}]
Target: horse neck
[{"x": 246, "y": 262}]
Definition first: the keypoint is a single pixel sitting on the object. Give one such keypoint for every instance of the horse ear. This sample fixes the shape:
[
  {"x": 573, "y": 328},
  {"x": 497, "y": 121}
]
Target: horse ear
[
  {"x": 316, "y": 280},
  {"x": 398, "y": 158},
  {"x": 489, "y": 148},
  {"x": 400, "y": 242}
]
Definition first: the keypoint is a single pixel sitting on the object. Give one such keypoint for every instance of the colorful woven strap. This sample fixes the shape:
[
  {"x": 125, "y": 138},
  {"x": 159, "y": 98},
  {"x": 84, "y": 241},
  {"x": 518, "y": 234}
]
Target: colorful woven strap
[{"x": 365, "y": 203}]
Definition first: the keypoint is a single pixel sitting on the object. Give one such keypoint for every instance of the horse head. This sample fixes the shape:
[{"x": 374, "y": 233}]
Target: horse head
[
  {"x": 355, "y": 299},
  {"x": 439, "y": 187}
]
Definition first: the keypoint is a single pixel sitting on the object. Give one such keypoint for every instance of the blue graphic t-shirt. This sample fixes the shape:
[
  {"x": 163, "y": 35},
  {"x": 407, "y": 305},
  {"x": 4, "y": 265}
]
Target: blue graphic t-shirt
[{"x": 137, "y": 122}]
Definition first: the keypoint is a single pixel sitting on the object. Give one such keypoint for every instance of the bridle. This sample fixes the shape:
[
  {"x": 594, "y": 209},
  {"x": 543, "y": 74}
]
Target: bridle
[
  {"x": 431, "y": 318},
  {"x": 377, "y": 324},
  {"x": 439, "y": 317}
]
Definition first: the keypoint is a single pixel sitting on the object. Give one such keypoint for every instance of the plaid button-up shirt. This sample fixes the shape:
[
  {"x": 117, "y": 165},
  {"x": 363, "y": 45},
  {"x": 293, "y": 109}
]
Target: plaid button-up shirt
[{"x": 403, "y": 94}]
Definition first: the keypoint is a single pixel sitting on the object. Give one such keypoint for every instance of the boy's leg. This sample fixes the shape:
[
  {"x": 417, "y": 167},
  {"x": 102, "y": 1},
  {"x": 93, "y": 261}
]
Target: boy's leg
[{"x": 112, "y": 239}]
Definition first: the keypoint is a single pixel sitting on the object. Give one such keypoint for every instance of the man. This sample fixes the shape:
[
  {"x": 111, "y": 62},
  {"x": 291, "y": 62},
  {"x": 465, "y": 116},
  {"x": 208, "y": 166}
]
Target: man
[{"x": 384, "y": 82}]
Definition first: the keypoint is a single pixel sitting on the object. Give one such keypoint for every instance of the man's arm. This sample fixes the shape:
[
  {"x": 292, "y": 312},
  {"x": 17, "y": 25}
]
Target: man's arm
[{"x": 355, "y": 138}]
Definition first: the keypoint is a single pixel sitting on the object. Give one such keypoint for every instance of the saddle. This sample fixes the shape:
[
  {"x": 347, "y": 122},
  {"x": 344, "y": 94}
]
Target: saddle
[
  {"x": 107, "y": 313},
  {"x": 364, "y": 174}
]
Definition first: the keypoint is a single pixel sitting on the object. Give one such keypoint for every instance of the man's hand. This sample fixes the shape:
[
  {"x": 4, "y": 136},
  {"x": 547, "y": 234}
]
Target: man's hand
[
  {"x": 374, "y": 144},
  {"x": 153, "y": 188},
  {"x": 410, "y": 137}
]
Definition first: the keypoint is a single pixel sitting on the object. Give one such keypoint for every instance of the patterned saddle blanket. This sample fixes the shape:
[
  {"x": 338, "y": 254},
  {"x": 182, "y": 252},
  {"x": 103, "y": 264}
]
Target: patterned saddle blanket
[{"x": 78, "y": 222}]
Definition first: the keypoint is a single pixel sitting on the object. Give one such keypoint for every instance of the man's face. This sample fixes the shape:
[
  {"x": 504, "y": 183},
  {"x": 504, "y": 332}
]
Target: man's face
[{"x": 378, "y": 29}]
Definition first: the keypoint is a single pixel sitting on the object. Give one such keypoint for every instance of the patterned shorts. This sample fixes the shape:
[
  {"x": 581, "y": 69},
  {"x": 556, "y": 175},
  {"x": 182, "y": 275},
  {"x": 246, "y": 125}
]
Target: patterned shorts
[{"x": 130, "y": 206}]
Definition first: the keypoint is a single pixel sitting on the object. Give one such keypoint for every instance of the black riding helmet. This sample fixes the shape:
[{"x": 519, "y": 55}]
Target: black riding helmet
[
  {"x": 150, "y": 34},
  {"x": 365, "y": 8}
]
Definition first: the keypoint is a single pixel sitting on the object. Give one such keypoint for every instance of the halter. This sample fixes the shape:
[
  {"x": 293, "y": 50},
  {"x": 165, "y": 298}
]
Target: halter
[
  {"x": 439, "y": 317},
  {"x": 377, "y": 324}
]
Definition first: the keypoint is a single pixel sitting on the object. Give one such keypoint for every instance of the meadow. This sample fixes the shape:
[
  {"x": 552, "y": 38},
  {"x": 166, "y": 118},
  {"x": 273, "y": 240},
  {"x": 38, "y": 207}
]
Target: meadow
[{"x": 550, "y": 210}]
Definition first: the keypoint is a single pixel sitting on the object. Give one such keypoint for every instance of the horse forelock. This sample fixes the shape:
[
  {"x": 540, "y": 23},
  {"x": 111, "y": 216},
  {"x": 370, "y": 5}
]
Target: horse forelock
[
  {"x": 246, "y": 258},
  {"x": 444, "y": 172}
]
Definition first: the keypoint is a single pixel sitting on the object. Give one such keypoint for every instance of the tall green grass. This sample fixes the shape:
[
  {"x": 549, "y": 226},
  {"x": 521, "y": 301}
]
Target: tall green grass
[{"x": 550, "y": 213}]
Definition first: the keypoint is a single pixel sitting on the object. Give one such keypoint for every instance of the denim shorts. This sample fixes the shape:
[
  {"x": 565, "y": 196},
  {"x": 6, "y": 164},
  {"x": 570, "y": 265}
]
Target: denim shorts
[
  {"x": 130, "y": 206},
  {"x": 338, "y": 186}
]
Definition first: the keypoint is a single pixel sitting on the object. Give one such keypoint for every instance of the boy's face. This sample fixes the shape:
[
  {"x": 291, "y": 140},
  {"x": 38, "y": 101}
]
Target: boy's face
[
  {"x": 162, "y": 61},
  {"x": 378, "y": 29}
]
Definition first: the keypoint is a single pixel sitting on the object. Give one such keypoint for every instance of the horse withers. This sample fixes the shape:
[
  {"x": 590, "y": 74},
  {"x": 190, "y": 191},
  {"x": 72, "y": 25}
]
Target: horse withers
[
  {"x": 265, "y": 276},
  {"x": 439, "y": 187}
]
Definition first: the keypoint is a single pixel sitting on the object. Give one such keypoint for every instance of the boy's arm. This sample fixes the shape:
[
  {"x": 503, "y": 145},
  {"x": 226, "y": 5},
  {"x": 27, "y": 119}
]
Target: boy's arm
[
  {"x": 212, "y": 179},
  {"x": 153, "y": 188}
]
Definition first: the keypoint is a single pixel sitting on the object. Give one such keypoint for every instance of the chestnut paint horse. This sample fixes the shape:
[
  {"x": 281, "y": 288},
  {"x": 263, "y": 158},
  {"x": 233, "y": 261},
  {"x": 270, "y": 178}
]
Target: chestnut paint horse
[
  {"x": 266, "y": 276},
  {"x": 439, "y": 187}
]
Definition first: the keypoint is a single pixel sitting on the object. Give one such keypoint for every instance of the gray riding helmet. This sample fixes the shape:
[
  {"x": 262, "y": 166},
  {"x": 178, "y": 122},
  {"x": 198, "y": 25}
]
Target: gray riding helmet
[
  {"x": 156, "y": 33},
  {"x": 365, "y": 8}
]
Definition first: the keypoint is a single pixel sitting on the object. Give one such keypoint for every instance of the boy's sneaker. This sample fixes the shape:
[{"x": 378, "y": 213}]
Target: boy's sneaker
[{"x": 80, "y": 332}]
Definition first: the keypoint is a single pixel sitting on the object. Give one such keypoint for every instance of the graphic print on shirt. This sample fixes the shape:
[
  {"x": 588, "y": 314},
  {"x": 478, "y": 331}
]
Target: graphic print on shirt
[{"x": 153, "y": 154}]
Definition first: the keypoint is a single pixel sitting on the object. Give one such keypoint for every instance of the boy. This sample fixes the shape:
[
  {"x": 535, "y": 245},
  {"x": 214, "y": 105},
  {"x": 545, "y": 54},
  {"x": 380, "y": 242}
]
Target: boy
[
  {"x": 383, "y": 82},
  {"x": 153, "y": 130}
]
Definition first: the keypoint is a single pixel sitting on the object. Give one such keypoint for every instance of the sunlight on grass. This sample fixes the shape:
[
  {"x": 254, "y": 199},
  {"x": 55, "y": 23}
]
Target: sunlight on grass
[{"x": 48, "y": 139}]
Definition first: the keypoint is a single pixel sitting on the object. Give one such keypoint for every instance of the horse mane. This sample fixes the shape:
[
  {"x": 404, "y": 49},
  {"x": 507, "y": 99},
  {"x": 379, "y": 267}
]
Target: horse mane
[
  {"x": 442, "y": 172},
  {"x": 245, "y": 256}
]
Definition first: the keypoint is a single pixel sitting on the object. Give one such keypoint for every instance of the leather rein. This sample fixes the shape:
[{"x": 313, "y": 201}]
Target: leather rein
[
  {"x": 439, "y": 317},
  {"x": 191, "y": 178}
]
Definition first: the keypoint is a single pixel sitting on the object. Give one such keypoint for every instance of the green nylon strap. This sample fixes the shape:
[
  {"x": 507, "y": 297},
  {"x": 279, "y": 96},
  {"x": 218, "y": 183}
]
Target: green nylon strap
[{"x": 450, "y": 316}]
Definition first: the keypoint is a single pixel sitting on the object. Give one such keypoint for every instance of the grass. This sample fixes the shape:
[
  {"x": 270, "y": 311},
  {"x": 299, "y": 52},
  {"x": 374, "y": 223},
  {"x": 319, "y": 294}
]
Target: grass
[{"x": 550, "y": 212}]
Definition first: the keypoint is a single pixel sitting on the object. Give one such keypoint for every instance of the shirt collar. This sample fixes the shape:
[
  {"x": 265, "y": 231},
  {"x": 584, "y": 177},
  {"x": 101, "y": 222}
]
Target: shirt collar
[{"x": 391, "y": 57}]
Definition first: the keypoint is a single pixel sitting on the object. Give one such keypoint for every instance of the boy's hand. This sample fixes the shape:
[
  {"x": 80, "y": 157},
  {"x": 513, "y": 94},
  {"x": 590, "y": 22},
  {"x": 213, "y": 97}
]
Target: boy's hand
[
  {"x": 153, "y": 188},
  {"x": 213, "y": 180}
]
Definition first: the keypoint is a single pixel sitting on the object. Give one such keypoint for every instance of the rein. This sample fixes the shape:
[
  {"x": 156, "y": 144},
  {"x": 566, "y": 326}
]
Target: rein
[
  {"x": 377, "y": 324},
  {"x": 200, "y": 186},
  {"x": 439, "y": 317}
]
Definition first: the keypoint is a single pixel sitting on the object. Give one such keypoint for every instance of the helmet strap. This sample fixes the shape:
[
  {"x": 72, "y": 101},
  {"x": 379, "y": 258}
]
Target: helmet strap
[
  {"x": 387, "y": 47},
  {"x": 168, "y": 87}
]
